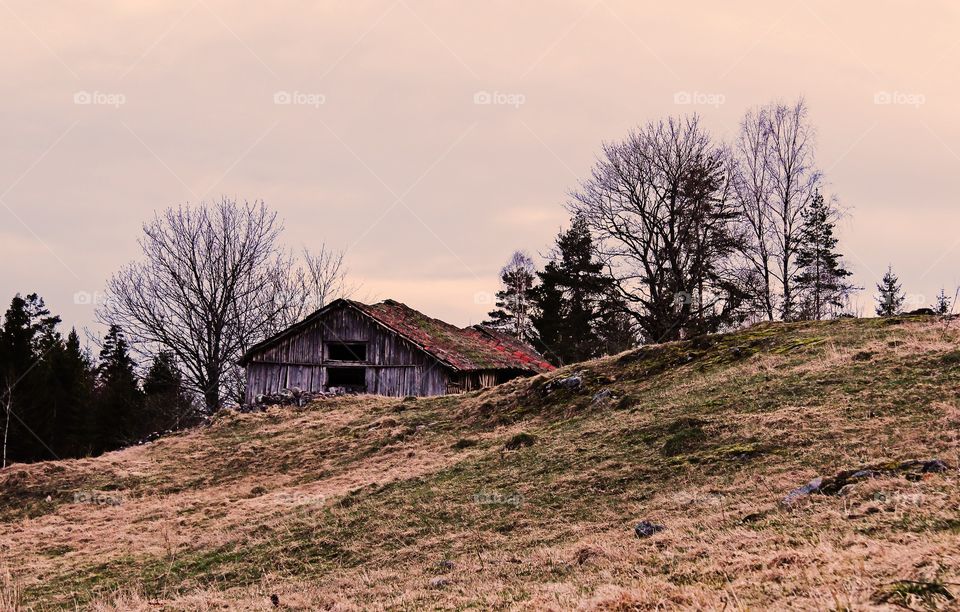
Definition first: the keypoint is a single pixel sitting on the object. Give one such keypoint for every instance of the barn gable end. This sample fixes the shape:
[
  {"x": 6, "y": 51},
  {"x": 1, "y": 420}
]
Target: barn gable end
[{"x": 384, "y": 349}]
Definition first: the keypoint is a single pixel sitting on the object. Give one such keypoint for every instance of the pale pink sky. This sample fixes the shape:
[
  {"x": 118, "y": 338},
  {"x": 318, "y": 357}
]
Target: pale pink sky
[{"x": 385, "y": 152}]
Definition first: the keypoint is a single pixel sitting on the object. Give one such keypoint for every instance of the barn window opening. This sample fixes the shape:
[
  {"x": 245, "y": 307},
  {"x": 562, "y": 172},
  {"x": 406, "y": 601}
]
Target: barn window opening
[
  {"x": 347, "y": 351},
  {"x": 353, "y": 379}
]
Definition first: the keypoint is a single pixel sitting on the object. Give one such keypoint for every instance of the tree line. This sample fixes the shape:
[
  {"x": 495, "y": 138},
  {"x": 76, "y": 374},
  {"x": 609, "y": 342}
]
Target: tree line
[
  {"x": 60, "y": 401},
  {"x": 675, "y": 234}
]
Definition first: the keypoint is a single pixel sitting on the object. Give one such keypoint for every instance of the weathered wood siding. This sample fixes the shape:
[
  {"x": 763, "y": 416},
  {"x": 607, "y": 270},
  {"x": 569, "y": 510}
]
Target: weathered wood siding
[
  {"x": 471, "y": 381},
  {"x": 394, "y": 366}
]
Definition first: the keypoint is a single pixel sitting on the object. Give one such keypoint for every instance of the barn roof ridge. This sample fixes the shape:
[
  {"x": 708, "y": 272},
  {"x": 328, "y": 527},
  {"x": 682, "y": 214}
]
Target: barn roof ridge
[{"x": 475, "y": 347}]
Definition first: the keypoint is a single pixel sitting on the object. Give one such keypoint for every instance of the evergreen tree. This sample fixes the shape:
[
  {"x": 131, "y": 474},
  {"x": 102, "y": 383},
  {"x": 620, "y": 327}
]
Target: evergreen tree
[
  {"x": 167, "y": 405},
  {"x": 615, "y": 326},
  {"x": 26, "y": 339},
  {"x": 73, "y": 396},
  {"x": 119, "y": 401},
  {"x": 890, "y": 298},
  {"x": 944, "y": 304},
  {"x": 821, "y": 279},
  {"x": 547, "y": 319},
  {"x": 568, "y": 298},
  {"x": 513, "y": 306}
]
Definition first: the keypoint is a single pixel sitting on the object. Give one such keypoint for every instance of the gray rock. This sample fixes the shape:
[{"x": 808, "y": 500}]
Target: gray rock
[
  {"x": 934, "y": 466},
  {"x": 646, "y": 529},
  {"x": 571, "y": 382},
  {"x": 800, "y": 492},
  {"x": 439, "y": 582},
  {"x": 601, "y": 396}
]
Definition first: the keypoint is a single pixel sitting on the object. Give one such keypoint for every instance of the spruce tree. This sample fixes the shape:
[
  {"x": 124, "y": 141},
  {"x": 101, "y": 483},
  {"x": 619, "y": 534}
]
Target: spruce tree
[
  {"x": 821, "y": 279},
  {"x": 119, "y": 401},
  {"x": 74, "y": 397},
  {"x": 167, "y": 405},
  {"x": 615, "y": 326},
  {"x": 890, "y": 297},
  {"x": 568, "y": 298},
  {"x": 26, "y": 341},
  {"x": 944, "y": 304}
]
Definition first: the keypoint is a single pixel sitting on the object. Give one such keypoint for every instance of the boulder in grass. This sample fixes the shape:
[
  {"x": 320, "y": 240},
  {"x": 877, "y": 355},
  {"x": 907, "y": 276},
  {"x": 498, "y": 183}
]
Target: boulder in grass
[
  {"x": 646, "y": 529},
  {"x": 570, "y": 383},
  {"x": 800, "y": 492}
]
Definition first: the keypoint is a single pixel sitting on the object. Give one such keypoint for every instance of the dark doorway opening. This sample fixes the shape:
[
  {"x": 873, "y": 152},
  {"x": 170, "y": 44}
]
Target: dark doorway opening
[
  {"x": 352, "y": 379},
  {"x": 347, "y": 351}
]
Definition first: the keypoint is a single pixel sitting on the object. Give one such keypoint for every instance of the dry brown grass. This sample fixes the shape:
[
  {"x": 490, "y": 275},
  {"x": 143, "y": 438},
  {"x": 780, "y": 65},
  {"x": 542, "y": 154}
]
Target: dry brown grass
[{"x": 366, "y": 503}]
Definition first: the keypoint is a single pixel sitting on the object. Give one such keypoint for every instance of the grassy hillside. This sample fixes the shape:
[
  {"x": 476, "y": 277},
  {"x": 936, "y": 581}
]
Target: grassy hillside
[{"x": 527, "y": 495}]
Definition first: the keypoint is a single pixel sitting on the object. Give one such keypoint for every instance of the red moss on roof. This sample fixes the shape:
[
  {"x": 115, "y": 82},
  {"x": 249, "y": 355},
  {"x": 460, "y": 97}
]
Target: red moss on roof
[
  {"x": 469, "y": 348},
  {"x": 464, "y": 349}
]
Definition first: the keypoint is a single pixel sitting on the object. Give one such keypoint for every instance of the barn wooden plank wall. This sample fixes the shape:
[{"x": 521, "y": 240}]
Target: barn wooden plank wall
[{"x": 394, "y": 366}]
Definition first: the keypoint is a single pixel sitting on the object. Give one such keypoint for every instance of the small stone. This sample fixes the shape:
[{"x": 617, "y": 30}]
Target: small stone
[
  {"x": 574, "y": 381},
  {"x": 601, "y": 396},
  {"x": 446, "y": 564},
  {"x": 811, "y": 487},
  {"x": 645, "y": 529},
  {"x": 934, "y": 466},
  {"x": 439, "y": 582}
]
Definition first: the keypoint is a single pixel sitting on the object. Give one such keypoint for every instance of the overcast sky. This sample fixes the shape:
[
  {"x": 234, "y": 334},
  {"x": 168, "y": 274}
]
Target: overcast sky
[{"x": 431, "y": 139}]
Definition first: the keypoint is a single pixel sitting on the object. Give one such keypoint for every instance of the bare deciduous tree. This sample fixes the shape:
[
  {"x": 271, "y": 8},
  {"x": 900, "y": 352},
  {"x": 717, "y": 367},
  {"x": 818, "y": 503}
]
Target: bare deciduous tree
[
  {"x": 658, "y": 205},
  {"x": 775, "y": 180},
  {"x": 325, "y": 276},
  {"x": 796, "y": 181},
  {"x": 7, "y": 412},
  {"x": 213, "y": 281},
  {"x": 753, "y": 192}
]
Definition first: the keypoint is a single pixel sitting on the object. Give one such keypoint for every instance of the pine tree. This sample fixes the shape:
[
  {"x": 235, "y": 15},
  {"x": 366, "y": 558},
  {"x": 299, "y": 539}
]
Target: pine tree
[
  {"x": 821, "y": 277},
  {"x": 890, "y": 299},
  {"x": 513, "y": 306},
  {"x": 944, "y": 304},
  {"x": 119, "y": 401}
]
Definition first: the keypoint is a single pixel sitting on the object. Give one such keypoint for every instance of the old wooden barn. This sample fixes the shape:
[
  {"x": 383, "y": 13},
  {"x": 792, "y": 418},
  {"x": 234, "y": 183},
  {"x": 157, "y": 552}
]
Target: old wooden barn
[{"x": 386, "y": 348}]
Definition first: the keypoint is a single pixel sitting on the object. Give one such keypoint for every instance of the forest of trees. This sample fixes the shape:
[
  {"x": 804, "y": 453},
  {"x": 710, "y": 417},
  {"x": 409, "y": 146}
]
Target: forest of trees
[{"x": 61, "y": 401}]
